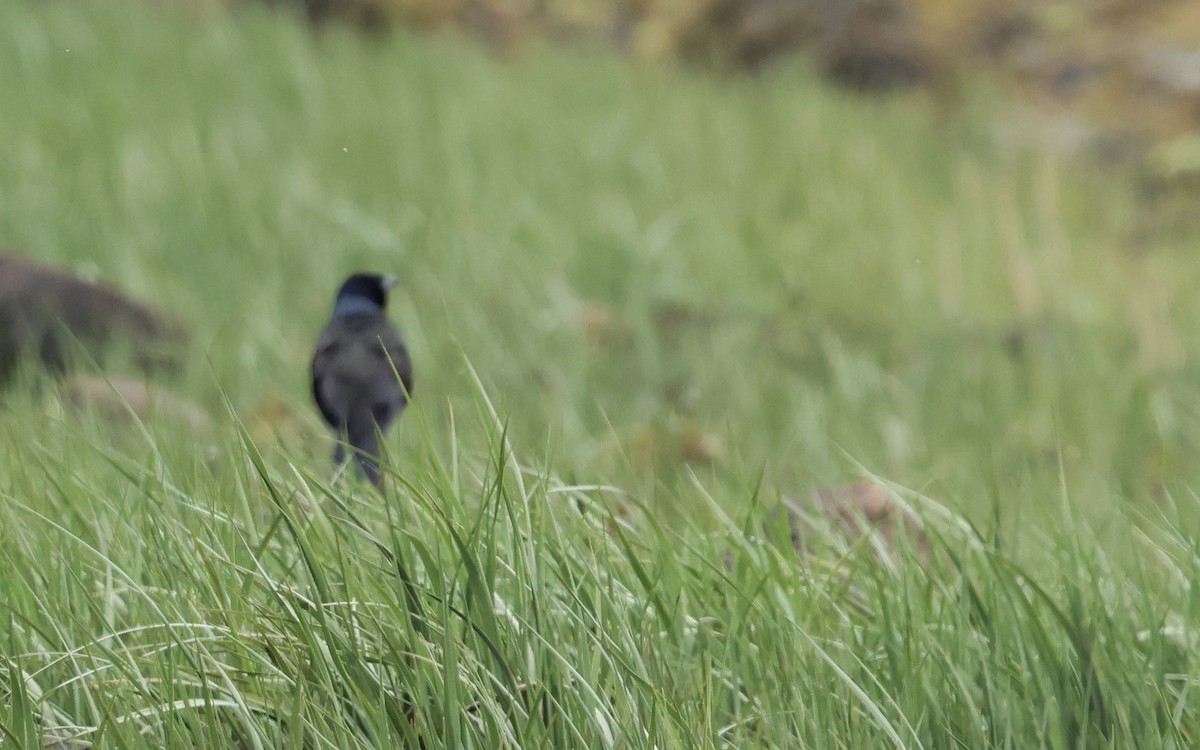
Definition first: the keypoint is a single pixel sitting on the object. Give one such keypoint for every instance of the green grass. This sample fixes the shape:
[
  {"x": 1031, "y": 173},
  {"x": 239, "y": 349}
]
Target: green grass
[{"x": 643, "y": 304}]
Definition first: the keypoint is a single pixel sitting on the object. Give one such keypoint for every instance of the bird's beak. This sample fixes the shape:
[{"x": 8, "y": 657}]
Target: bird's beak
[{"x": 389, "y": 282}]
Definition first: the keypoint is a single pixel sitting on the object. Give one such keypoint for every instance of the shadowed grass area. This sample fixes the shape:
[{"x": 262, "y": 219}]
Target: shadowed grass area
[{"x": 642, "y": 306}]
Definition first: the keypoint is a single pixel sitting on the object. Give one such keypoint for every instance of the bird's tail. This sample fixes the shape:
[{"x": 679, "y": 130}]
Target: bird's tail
[{"x": 363, "y": 437}]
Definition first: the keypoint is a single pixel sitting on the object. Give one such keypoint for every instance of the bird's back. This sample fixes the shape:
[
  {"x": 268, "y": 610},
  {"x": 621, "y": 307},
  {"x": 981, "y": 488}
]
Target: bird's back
[{"x": 360, "y": 363}]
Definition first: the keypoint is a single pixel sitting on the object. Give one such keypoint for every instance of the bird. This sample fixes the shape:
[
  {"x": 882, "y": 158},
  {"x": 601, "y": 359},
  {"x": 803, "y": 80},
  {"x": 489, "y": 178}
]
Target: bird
[{"x": 361, "y": 372}]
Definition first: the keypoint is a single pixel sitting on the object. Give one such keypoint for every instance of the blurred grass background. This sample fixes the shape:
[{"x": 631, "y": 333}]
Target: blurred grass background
[
  {"x": 644, "y": 265},
  {"x": 706, "y": 291}
]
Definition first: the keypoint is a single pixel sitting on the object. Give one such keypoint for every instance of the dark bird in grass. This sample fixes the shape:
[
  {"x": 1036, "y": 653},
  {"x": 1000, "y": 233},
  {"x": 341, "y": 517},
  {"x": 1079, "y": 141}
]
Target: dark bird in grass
[{"x": 361, "y": 373}]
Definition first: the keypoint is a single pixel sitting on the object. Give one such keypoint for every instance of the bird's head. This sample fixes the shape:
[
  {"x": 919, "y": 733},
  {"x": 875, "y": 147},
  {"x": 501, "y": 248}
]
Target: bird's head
[{"x": 363, "y": 293}]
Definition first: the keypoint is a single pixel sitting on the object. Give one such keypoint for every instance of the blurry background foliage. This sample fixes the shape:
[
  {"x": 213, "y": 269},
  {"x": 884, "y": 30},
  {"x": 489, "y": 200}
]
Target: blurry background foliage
[
  {"x": 672, "y": 284},
  {"x": 647, "y": 297},
  {"x": 1117, "y": 80}
]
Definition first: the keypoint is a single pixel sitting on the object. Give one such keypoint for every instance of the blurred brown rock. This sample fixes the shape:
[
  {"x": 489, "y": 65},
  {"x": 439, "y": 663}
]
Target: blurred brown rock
[
  {"x": 863, "y": 44},
  {"x": 995, "y": 32},
  {"x": 121, "y": 400},
  {"x": 748, "y": 32},
  {"x": 874, "y": 45},
  {"x": 851, "y": 512},
  {"x": 496, "y": 22},
  {"x": 49, "y": 314},
  {"x": 374, "y": 15}
]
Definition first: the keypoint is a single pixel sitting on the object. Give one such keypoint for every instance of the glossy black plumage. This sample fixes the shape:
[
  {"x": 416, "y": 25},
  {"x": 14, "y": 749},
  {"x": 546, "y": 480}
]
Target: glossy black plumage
[{"x": 361, "y": 373}]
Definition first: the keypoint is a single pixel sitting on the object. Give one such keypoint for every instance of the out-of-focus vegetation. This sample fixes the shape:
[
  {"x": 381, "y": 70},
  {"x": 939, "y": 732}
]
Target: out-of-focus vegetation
[
  {"x": 1117, "y": 81},
  {"x": 1132, "y": 65},
  {"x": 645, "y": 306}
]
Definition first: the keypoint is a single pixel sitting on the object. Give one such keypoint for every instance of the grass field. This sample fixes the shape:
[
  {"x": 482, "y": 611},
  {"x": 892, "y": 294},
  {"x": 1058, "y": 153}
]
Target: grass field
[{"x": 644, "y": 304}]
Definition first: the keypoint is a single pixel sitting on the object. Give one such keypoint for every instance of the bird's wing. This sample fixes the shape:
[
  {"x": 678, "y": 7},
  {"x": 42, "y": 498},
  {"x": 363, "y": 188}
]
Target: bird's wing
[
  {"x": 327, "y": 345},
  {"x": 396, "y": 354}
]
